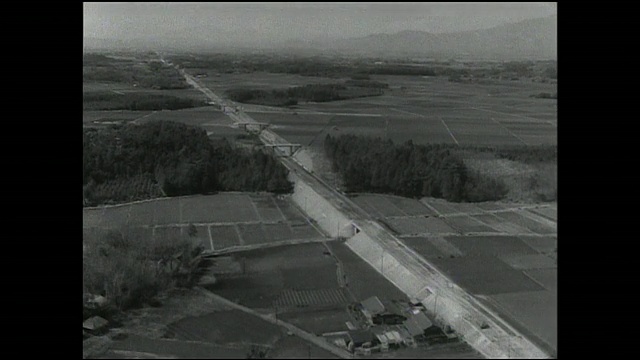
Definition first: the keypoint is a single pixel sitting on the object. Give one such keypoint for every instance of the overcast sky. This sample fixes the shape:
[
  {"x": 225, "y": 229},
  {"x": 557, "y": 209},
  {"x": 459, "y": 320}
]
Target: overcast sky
[{"x": 284, "y": 21}]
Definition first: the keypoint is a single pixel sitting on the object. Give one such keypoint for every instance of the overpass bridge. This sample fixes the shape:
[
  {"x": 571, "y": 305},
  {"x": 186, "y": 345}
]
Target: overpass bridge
[{"x": 282, "y": 148}]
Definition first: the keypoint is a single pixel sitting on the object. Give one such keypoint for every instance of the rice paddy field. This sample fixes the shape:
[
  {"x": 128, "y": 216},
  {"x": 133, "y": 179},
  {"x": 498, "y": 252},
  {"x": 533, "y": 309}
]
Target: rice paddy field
[
  {"x": 422, "y": 109},
  {"x": 503, "y": 253},
  {"x": 223, "y": 221}
]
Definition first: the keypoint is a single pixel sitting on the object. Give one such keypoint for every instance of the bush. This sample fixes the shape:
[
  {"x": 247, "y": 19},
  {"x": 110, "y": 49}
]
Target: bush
[{"x": 130, "y": 269}]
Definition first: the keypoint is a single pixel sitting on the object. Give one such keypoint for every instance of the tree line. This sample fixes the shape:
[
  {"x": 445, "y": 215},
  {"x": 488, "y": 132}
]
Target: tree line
[
  {"x": 105, "y": 100},
  {"x": 312, "y": 92},
  {"x": 180, "y": 158},
  {"x": 381, "y": 166}
]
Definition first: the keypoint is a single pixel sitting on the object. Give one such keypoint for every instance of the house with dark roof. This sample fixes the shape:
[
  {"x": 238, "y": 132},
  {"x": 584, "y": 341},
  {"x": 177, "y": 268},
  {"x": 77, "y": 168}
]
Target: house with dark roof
[
  {"x": 417, "y": 322},
  {"x": 360, "y": 338}
]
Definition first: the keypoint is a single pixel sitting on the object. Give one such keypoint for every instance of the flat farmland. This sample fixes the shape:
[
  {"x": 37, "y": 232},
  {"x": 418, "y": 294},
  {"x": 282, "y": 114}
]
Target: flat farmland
[
  {"x": 115, "y": 216},
  {"x": 267, "y": 208},
  {"x": 224, "y": 237},
  {"x": 363, "y": 281},
  {"x": 143, "y": 214},
  {"x": 258, "y": 80},
  {"x": 293, "y": 347},
  {"x": 89, "y": 86},
  {"x": 207, "y": 116},
  {"x": 253, "y": 234},
  {"x": 501, "y": 224},
  {"x": 227, "y": 327},
  {"x": 390, "y": 205},
  {"x": 466, "y": 224},
  {"x": 165, "y": 211},
  {"x": 259, "y": 218},
  {"x": 138, "y": 347},
  {"x": 440, "y": 206},
  {"x": 217, "y": 208},
  {"x": 420, "y": 225},
  {"x": 529, "y": 262},
  {"x": 547, "y": 277},
  {"x": 410, "y": 206},
  {"x": 485, "y": 275},
  {"x": 170, "y": 232},
  {"x": 544, "y": 244},
  {"x": 537, "y": 311},
  {"x": 320, "y": 321},
  {"x": 276, "y": 232},
  {"x": 520, "y": 220},
  {"x": 490, "y": 245},
  {"x": 377, "y": 205},
  {"x": 472, "y": 112},
  {"x": 302, "y": 271},
  {"x": 548, "y": 212},
  {"x": 425, "y": 247},
  {"x": 89, "y": 116},
  {"x": 201, "y": 236}
]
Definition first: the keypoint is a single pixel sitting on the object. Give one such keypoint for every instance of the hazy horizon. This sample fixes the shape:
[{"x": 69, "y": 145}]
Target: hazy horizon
[{"x": 280, "y": 22}]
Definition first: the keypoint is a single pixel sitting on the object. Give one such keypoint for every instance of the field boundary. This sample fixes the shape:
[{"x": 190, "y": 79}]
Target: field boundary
[
  {"x": 271, "y": 318},
  {"x": 241, "y": 248}
]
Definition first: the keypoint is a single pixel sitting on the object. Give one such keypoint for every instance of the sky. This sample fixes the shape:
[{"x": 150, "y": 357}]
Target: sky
[{"x": 304, "y": 21}]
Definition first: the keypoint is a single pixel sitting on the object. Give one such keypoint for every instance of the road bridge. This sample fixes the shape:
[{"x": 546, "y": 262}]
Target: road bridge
[{"x": 291, "y": 147}]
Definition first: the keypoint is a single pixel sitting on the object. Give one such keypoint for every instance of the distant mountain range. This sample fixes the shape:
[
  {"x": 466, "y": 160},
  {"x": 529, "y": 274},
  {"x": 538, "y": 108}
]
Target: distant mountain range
[{"x": 529, "y": 39}]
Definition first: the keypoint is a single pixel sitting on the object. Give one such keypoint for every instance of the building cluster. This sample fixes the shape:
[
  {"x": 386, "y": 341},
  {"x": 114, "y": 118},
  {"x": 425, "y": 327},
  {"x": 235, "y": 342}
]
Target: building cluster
[{"x": 383, "y": 327}]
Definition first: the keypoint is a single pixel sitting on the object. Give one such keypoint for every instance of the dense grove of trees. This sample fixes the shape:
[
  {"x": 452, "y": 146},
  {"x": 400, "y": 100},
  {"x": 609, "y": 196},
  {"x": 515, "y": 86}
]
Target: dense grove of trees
[
  {"x": 313, "y": 92},
  {"x": 180, "y": 158},
  {"x": 376, "y": 165},
  {"x": 130, "y": 269},
  {"x": 104, "y": 100}
]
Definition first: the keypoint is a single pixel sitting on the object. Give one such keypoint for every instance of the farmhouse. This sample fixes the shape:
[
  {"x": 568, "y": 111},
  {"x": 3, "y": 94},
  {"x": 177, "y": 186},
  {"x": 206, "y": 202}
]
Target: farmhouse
[{"x": 417, "y": 323}]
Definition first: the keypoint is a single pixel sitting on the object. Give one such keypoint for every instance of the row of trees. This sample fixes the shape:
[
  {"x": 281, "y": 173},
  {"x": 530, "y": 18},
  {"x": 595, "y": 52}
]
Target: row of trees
[
  {"x": 376, "y": 165},
  {"x": 313, "y": 92},
  {"x": 104, "y": 100},
  {"x": 180, "y": 158}
]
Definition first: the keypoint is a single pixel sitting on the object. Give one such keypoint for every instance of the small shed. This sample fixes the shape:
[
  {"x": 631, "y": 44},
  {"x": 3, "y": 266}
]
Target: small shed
[
  {"x": 380, "y": 335},
  {"x": 407, "y": 338},
  {"x": 393, "y": 337},
  {"x": 358, "y": 338}
]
